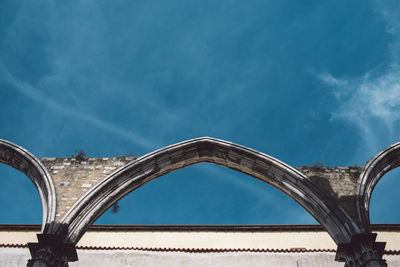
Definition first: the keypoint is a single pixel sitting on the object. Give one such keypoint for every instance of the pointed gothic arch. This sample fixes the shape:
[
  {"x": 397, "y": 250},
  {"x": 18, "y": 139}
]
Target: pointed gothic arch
[
  {"x": 22, "y": 160},
  {"x": 383, "y": 162},
  {"x": 256, "y": 164}
]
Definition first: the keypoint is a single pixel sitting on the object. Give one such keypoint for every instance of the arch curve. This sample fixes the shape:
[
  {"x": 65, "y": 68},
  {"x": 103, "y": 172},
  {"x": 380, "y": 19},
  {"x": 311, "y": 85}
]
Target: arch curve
[
  {"x": 22, "y": 160},
  {"x": 383, "y": 162},
  {"x": 205, "y": 149}
]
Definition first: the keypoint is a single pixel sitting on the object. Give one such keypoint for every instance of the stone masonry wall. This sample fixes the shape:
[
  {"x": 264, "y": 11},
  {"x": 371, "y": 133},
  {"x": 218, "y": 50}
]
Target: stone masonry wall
[
  {"x": 339, "y": 182},
  {"x": 73, "y": 177}
]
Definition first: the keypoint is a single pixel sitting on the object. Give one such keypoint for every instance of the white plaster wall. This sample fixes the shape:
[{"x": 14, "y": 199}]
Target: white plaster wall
[
  {"x": 125, "y": 258},
  {"x": 176, "y": 239},
  {"x": 392, "y": 239},
  {"x": 179, "y": 259},
  {"x": 277, "y": 240},
  {"x": 14, "y": 257}
]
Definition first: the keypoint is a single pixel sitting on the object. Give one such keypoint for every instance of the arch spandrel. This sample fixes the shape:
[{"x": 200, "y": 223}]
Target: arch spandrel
[
  {"x": 385, "y": 161},
  {"x": 20, "y": 159},
  {"x": 261, "y": 166},
  {"x": 73, "y": 177}
]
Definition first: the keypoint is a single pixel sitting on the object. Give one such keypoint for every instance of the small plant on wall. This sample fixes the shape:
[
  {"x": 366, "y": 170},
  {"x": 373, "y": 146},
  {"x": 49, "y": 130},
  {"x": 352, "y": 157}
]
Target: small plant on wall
[
  {"x": 115, "y": 208},
  {"x": 79, "y": 155}
]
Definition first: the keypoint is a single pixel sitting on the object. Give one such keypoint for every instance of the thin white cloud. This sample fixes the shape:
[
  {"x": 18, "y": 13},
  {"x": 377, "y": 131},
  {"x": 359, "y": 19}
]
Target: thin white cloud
[
  {"x": 329, "y": 79},
  {"x": 41, "y": 98},
  {"x": 372, "y": 102},
  {"x": 266, "y": 197},
  {"x": 390, "y": 10},
  {"x": 223, "y": 175}
]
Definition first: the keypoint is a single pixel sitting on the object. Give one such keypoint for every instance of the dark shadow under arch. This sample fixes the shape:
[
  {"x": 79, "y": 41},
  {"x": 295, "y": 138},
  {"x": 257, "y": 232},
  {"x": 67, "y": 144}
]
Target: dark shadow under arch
[{"x": 261, "y": 166}]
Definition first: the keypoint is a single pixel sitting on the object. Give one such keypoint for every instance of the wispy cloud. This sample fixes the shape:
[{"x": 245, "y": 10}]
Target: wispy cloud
[
  {"x": 329, "y": 79},
  {"x": 266, "y": 196},
  {"x": 41, "y": 98},
  {"x": 372, "y": 102},
  {"x": 221, "y": 174}
]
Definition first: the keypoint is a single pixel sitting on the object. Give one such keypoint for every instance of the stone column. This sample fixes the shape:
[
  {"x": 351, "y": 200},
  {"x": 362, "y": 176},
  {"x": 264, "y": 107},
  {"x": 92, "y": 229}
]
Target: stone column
[
  {"x": 362, "y": 251},
  {"x": 51, "y": 251}
]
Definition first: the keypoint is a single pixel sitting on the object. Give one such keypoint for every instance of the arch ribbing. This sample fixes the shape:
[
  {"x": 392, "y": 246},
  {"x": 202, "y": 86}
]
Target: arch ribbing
[
  {"x": 386, "y": 160},
  {"x": 261, "y": 166},
  {"x": 20, "y": 159}
]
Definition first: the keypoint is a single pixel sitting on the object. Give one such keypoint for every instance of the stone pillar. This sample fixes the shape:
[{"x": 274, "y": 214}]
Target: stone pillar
[
  {"x": 362, "y": 251},
  {"x": 51, "y": 251}
]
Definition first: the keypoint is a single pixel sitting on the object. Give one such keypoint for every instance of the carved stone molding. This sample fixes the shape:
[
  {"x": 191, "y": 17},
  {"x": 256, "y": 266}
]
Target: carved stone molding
[
  {"x": 51, "y": 251},
  {"x": 20, "y": 159},
  {"x": 362, "y": 251}
]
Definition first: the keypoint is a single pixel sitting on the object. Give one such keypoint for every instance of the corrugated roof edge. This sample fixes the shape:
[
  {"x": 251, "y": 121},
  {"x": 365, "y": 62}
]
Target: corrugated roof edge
[{"x": 202, "y": 250}]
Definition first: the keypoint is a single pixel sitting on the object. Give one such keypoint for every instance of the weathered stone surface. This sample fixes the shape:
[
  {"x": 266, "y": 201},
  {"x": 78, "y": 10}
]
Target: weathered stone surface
[
  {"x": 96, "y": 197},
  {"x": 20, "y": 159},
  {"x": 339, "y": 182},
  {"x": 73, "y": 178},
  {"x": 386, "y": 160},
  {"x": 76, "y": 191}
]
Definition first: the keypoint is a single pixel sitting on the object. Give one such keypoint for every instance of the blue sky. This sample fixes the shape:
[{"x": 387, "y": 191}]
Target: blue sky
[{"x": 302, "y": 81}]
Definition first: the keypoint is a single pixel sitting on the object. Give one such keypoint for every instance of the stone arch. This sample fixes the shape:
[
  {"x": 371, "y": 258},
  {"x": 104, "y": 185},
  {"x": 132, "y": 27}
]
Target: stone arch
[
  {"x": 385, "y": 161},
  {"x": 20, "y": 159},
  {"x": 155, "y": 164}
]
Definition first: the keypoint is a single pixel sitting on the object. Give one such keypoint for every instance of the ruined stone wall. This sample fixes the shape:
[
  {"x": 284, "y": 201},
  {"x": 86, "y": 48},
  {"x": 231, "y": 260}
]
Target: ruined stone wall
[
  {"x": 73, "y": 177},
  {"x": 339, "y": 182}
]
